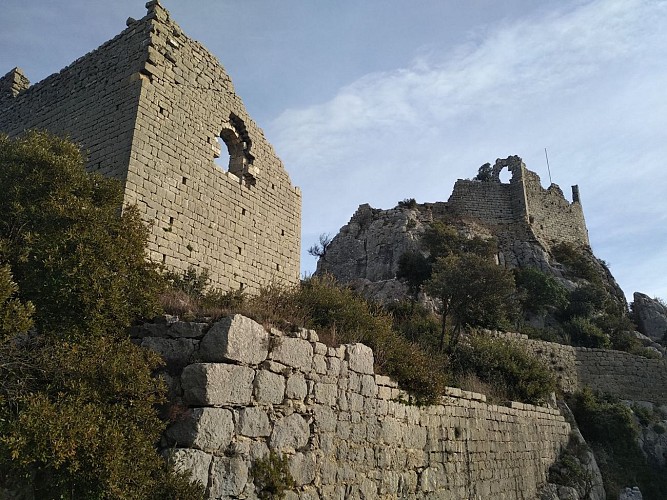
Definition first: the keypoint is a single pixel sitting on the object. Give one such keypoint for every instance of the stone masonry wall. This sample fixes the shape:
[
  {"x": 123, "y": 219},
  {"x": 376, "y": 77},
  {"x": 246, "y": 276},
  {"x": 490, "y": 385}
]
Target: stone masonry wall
[
  {"x": 488, "y": 201},
  {"x": 154, "y": 108},
  {"x": 346, "y": 431},
  {"x": 552, "y": 217},
  {"x": 622, "y": 374}
]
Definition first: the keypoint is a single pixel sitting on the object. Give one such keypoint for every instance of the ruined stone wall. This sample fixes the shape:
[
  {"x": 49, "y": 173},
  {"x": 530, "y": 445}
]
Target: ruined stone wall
[
  {"x": 552, "y": 217},
  {"x": 241, "y": 221},
  {"x": 154, "y": 108},
  {"x": 93, "y": 101},
  {"x": 490, "y": 202},
  {"x": 622, "y": 374},
  {"x": 345, "y": 430}
]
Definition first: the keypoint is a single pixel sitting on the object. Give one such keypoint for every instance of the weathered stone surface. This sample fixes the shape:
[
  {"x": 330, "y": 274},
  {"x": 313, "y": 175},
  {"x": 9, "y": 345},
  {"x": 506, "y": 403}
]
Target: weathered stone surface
[
  {"x": 175, "y": 352},
  {"x": 269, "y": 387},
  {"x": 207, "y": 429},
  {"x": 360, "y": 358},
  {"x": 302, "y": 468},
  {"x": 290, "y": 433},
  {"x": 186, "y": 329},
  {"x": 213, "y": 384},
  {"x": 630, "y": 494},
  {"x": 154, "y": 108},
  {"x": 229, "y": 477},
  {"x": 297, "y": 353},
  {"x": 651, "y": 316},
  {"x": 296, "y": 386},
  {"x": 196, "y": 462},
  {"x": 253, "y": 422},
  {"x": 235, "y": 338}
]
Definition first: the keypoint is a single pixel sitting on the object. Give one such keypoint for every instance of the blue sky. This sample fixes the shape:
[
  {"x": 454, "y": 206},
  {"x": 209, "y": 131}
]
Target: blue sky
[{"x": 381, "y": 100}]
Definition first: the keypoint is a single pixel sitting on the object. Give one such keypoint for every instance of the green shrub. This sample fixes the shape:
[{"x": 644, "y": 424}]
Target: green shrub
[
  {"x": 348, "y": 318},
  {"x": 506, "y": 365},
  {"x": 408, "y": 203},
  {"x": 77, "y": 258},
  {"x": 585, "y": 333},
  {"x": 610, "y": 429},
  {"x": 539, "y": 291},
  {"x": 272, "y": 476},
  {"x": 577, "y": 261}
]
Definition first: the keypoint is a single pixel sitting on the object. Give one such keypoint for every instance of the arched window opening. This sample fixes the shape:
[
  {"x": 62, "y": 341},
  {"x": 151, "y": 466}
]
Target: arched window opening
[
  {"x": 234, "y": 138},
  {"x": 505, "y": 175}
]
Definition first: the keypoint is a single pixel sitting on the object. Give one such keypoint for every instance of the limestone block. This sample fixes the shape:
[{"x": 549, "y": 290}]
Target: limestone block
[
  {"x": 297, "y": 353},
  {"x": 235, "y": 338},
  {"x": 326, "y": 393},
  {"x": 253, "y": 422},
  {"x": 196, "y": 462},
  {"x": 360, "y": 358},
  {"x": 215, "y": 384},
  {"x": 289, "y": 433},
  {"x": 302, "y": 468},
  {"x": 186, "y": 329},
  {"x": 296, "y": 386},
  {"x": 269, "y": 387},
  {"x": 229, "y": 477},
  {"x": 175, "y": 352},
  {"x": 207, "y": 429}
]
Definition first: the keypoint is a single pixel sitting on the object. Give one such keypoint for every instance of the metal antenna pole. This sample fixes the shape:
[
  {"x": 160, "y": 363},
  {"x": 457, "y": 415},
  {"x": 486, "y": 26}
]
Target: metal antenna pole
[{"x": 548, "y": 168}]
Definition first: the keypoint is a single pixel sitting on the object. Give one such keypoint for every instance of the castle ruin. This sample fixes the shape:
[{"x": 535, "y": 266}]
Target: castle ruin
[
  {"x": 545, "y": 213},
  {"x": 154, "y": 109}
]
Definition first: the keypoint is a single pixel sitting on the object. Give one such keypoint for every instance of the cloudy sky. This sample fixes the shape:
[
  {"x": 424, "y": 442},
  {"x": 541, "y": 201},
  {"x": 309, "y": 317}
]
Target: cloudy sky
[{"x": 375, "y": 101}]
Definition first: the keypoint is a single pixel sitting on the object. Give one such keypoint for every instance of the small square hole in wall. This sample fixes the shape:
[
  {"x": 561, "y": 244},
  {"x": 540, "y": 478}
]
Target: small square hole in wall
[
  {"x": 241, "y": 285},
  {"x": 277, "y": 267},
  {"x": 243, "y": 211},
  {"x": 171, "y": 221},
  {"x": 161, "y": 110},
  {"x": 273, "y": 186},
  {"x": 282, "y": 232},
  {"x": 239, "y": 248},
  {"x": 164, "y": 259},
  {"x": 184, "y": 180}
]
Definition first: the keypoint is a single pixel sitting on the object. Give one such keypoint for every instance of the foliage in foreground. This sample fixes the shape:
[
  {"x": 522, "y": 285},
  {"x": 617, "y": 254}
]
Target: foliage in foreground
[
  {"x": 608, "y": 426},
  {"x": 75, "y": 256},
  {"x": 78, "y": 400},
  {"x": 272, "y": 477}
]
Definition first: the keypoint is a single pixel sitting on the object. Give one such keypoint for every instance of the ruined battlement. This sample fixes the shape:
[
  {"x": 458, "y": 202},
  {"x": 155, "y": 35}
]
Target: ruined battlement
[
  {"x": 154, "y": 109},
  {"x": 522, "y": 202}
]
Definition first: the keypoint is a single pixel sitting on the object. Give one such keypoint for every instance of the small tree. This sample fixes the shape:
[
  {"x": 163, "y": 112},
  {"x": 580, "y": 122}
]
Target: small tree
[
  {"x": 415, "y": 269},
  {"x": 475, "y": 291},
  {"x": 319, "y": 250}
]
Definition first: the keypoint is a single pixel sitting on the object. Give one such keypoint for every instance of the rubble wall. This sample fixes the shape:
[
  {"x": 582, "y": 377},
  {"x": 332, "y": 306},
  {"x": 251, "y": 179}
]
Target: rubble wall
[{"x": 347, "y": 432}]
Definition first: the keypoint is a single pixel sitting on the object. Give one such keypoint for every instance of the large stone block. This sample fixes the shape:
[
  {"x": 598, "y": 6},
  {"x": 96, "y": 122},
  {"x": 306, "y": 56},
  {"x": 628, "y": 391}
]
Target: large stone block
[
  {"x": 253, "y": 422},
  {"x": 360, "y": 358},
  {"x": 175, "y": 352},
  {"x": 207, "y": 429},
  {"x": 290, "y": 433},
  {"x": 215, "y": 384},
  {"x": 297, "y": 353},
  {"x": 229, "y": 477},
  {"x": 235, "y": 338},
  {"x": 196, "y": 462},
  {"x": 269, "y": 387}
]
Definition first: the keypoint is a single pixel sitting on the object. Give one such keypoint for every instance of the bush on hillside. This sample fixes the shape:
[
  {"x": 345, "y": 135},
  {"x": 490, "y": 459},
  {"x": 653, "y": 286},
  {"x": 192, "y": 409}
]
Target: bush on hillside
[
  {"x": 78, "y": 414},
  {"x": 77, "y": 258},
  {"x": 507, "y": 366}
]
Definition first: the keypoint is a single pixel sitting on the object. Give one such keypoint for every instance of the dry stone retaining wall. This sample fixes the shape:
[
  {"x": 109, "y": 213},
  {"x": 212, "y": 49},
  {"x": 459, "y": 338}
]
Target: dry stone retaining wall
[
  {"x": 154, "y": 108},
  {"x": 622, "y": 374},
  {"x": 346, "y": 430}
]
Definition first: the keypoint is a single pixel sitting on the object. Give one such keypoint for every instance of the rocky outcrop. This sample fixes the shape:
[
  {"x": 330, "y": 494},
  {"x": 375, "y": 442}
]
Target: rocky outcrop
[{"x": 650, "y": 315}]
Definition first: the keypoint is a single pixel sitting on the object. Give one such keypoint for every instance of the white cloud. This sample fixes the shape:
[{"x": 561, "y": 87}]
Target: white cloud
[{"x": 585, "y": 80}]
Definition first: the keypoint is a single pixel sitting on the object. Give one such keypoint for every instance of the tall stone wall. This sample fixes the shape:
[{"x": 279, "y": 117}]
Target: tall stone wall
[
  {"x": 622, "y": 374},
  {"x": 552, "y": 218},
  {"x": 154, "y": 108},
  {"x": 346, "y": 431},
  {"x": 490, "y": 202}
]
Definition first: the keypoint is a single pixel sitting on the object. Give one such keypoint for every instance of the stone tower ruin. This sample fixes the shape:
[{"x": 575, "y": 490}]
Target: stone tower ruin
[{"x": 154, "y": 109}]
